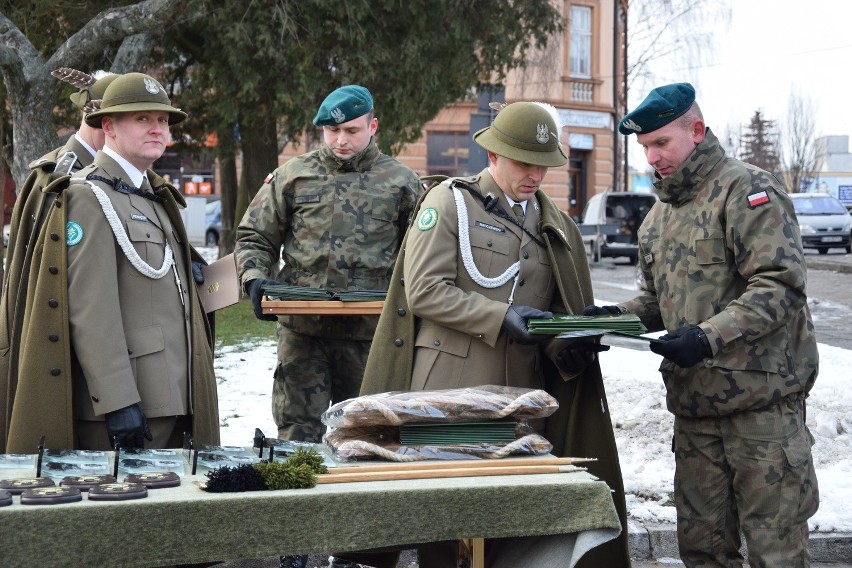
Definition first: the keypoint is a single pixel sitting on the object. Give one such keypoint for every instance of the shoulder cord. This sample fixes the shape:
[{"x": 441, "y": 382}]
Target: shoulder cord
[
  {"x": 467, "y": 253},
  {"x": 492, "y": 206},
  {"x": 124, "y": 241}
]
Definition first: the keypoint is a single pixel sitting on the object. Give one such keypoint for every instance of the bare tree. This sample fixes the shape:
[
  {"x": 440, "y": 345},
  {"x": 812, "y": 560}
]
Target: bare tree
[
  {"x": 678, "y": 32},
  {"x": 30, "y": 89},
  {"x": 799, "y": 156}
]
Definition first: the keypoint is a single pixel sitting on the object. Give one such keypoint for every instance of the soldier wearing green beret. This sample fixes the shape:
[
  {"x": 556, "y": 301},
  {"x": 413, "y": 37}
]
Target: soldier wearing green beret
[
  {"x": 31, "y": 206},
  {"x": 339, "y": 212},
  {"x": 117, "y": 348},
  {"x": 724, "y": 274},
  {"x": 485, "y": 254}
]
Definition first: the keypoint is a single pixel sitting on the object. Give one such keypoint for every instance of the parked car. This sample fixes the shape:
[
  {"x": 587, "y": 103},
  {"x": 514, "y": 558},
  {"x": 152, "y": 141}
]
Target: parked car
[
  {"x": 610, "y": 221},
  {"x": 823, "y": 221},
  {"x": 214, "y": 223}
]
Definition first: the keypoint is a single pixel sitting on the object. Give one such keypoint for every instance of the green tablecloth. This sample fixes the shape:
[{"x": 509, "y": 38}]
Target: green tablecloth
[{"x": 187, "y": 525}]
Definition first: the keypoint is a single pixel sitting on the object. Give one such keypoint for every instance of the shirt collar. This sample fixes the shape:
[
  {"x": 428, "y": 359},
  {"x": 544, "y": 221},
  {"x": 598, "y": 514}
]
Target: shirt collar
[
  {"x": 134, "y": 174},
  {"x": 85, "y": 145}
]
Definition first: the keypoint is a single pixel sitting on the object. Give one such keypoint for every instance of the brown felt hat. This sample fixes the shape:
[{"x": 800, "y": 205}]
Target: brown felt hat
[
  {"x": 134, "y": 92},
  {"x": 524, "y": 132}
]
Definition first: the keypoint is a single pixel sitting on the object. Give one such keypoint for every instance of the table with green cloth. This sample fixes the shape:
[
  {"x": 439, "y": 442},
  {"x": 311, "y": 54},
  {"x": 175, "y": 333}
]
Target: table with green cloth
[{"x": 185, "y": 524}]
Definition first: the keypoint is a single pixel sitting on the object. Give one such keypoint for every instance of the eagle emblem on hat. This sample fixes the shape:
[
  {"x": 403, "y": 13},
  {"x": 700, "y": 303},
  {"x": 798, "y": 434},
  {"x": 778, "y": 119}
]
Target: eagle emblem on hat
[
  {"x": 338, "y": 115},
  {"x": 630, "y": 125},
  {"x": 151, "y": 86},
  {"x": 542, "y": 134}
]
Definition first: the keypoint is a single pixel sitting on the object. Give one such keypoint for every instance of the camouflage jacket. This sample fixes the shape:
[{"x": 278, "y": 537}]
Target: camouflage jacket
[
  {"x": 722, "y": 250},
  {"x": 340, "y": 223}
]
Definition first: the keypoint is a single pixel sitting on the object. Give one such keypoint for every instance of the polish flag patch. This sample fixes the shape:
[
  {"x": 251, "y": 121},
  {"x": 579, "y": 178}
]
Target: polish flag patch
[
  {"x": 758, "y": 198},
  {"x": 269, "y": 177}
]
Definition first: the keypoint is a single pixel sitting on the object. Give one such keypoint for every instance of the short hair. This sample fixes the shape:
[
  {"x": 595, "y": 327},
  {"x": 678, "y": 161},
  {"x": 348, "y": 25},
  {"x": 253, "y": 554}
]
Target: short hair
[{"x": 691, "y": 115}]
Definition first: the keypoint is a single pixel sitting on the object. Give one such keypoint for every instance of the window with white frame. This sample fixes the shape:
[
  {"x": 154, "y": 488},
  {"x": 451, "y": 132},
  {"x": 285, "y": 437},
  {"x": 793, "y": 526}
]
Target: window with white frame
[{"x": 580, "y": 48}]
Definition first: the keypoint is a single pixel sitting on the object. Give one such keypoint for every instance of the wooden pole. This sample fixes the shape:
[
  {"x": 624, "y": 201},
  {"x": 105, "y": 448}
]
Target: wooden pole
[
  {"x": 407, "y": 473},
  {"x": 457, "y": 464}
]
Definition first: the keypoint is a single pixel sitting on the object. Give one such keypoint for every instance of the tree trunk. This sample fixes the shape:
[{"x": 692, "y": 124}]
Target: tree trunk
[
  {"x": 260, "y": 156},
  {"x": 228, "y": 186}
]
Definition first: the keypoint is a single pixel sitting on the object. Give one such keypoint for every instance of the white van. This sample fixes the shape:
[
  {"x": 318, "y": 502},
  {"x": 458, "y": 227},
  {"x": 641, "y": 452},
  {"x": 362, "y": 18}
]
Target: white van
[{"x": 610, "y": 221}]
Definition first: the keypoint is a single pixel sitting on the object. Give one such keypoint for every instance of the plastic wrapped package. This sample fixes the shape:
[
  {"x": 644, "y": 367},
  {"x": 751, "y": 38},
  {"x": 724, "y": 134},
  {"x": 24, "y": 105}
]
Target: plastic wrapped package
[
  {"x": 364, "y": 442},
  {"x": 487, "y": 402}
]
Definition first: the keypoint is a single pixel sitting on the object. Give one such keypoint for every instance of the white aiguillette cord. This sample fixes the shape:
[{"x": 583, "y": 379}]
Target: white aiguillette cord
[
  {"x": 467, "y": 253},
  {"x": 124, "y": 241}
]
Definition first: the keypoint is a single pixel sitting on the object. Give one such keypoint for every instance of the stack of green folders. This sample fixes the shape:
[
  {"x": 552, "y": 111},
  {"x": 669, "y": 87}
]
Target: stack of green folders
[
  {"x": 580, "y": 326},
  {"x": 452, "y": 433},
  {"x": 285, "y": 292}
]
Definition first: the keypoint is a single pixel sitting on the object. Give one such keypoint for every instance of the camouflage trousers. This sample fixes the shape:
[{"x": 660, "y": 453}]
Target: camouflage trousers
[
  {"x": 752, "y": 472},
  {"x": 313, "y": 373}
]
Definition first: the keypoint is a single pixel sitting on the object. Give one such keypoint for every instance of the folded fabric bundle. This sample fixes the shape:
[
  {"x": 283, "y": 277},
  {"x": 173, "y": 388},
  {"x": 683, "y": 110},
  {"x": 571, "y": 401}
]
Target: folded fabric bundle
[
  {"x": 487, "y": 402},
  {"x": 466, "y": 423}
]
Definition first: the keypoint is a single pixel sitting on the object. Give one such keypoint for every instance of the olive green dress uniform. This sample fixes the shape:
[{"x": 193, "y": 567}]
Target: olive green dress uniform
[
  {"x": 409, "y": 352},
  {"x": 53, "y": 379},
  {"x": 31, "y": 206},
  {"x": 338, "y": 225},
  {"x": 722, "y": 250}
]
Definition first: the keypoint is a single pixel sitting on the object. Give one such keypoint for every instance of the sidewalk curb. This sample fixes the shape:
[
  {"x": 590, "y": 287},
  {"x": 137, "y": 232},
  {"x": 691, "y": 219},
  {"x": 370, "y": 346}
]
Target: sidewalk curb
[
  {"x": 826, "y": 264},
  {"x": 655, "y": 541}
]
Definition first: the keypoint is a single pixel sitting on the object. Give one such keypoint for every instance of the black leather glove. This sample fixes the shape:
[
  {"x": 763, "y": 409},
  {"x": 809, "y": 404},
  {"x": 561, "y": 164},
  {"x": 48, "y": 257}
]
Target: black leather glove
[
  {"x": 255, "y": 291},
  {"x": 601, "y": 311},
  {"x": 197, "y": 275},
  {"x": 685, "y": 346},
  {"x": 576, "y": 357},
  {"x": 515, "y": 324},
  {"x": 128, "y": 427}
]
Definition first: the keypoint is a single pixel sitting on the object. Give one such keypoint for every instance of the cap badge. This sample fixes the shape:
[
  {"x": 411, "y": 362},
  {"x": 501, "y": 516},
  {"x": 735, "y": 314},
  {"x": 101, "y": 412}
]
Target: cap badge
[
  {"x": 542, "y": 134},
  {"x": 151, "y": 86},
  {"x": 630, "y": 125},
  {"x": 338, "y": 115}
]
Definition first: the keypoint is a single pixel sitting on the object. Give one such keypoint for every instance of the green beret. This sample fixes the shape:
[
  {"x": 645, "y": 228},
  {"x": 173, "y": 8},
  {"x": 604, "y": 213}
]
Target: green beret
[
  {"x": 134, "y": 92},
  {"x": 344, "y": 104},
  {"x": 524, "y": 132},
  {"x": 660, "y": 107}
]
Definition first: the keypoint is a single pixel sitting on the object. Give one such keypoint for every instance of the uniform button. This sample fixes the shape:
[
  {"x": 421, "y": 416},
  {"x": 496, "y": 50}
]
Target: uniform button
[
  {"x": 526, "y": 255},
  {"x": 402, "y": 281},
  {"x": 782, "y": 370},
  {"x": 522, "y": 282},
  {"x": 489, "y": 243},
  {"x": 709, "y": 362},
  {"x": 54, "y": 236},
  {"x": 129, "y": 351},
  {"x": 57, "y": 204},
  {"x": 53, "y": 337},
  {"x": 436, "y": 343},
  {"x": 53, "y": 270},
  {"x": 332, "y": 285},
  {"x": 148, "y": 235},
  {"x": 53, "y": 303},
  {"x": 95, "y": 399},
  {"x": 55, "y": 371},
  {"x": 401, "y": 311},
  {"x": 398, "y": 342}
]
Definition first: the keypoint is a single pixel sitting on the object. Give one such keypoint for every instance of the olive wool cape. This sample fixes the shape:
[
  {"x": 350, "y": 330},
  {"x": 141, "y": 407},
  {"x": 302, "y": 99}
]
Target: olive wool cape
[
  {"x": 37, "y": 386},
  {"x": 581, "y": 427}
]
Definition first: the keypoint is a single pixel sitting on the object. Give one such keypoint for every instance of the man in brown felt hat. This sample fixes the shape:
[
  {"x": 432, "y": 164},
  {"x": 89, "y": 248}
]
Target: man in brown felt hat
[
  {"x": 485, "y": 254},
  {"x": 117, "y": 348},
  {"x": 32, "y": 205}
]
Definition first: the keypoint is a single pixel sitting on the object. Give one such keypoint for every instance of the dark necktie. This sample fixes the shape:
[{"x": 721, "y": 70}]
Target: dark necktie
[
  {"x": 519, "y": 212},
  {"x": 145, "y": 186}
]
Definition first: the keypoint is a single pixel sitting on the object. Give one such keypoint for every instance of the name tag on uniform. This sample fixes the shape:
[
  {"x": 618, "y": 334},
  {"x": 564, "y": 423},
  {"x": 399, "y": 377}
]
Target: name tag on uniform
[
  {"x": 138, "y": 217},
  {"x": 307, "y": 199},
  {"x": 494, "y": 228}
]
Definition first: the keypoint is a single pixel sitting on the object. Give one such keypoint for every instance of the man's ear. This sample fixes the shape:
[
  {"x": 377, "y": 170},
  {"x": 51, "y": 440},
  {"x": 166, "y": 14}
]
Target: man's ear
[{"x": 698, "y": 131}]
